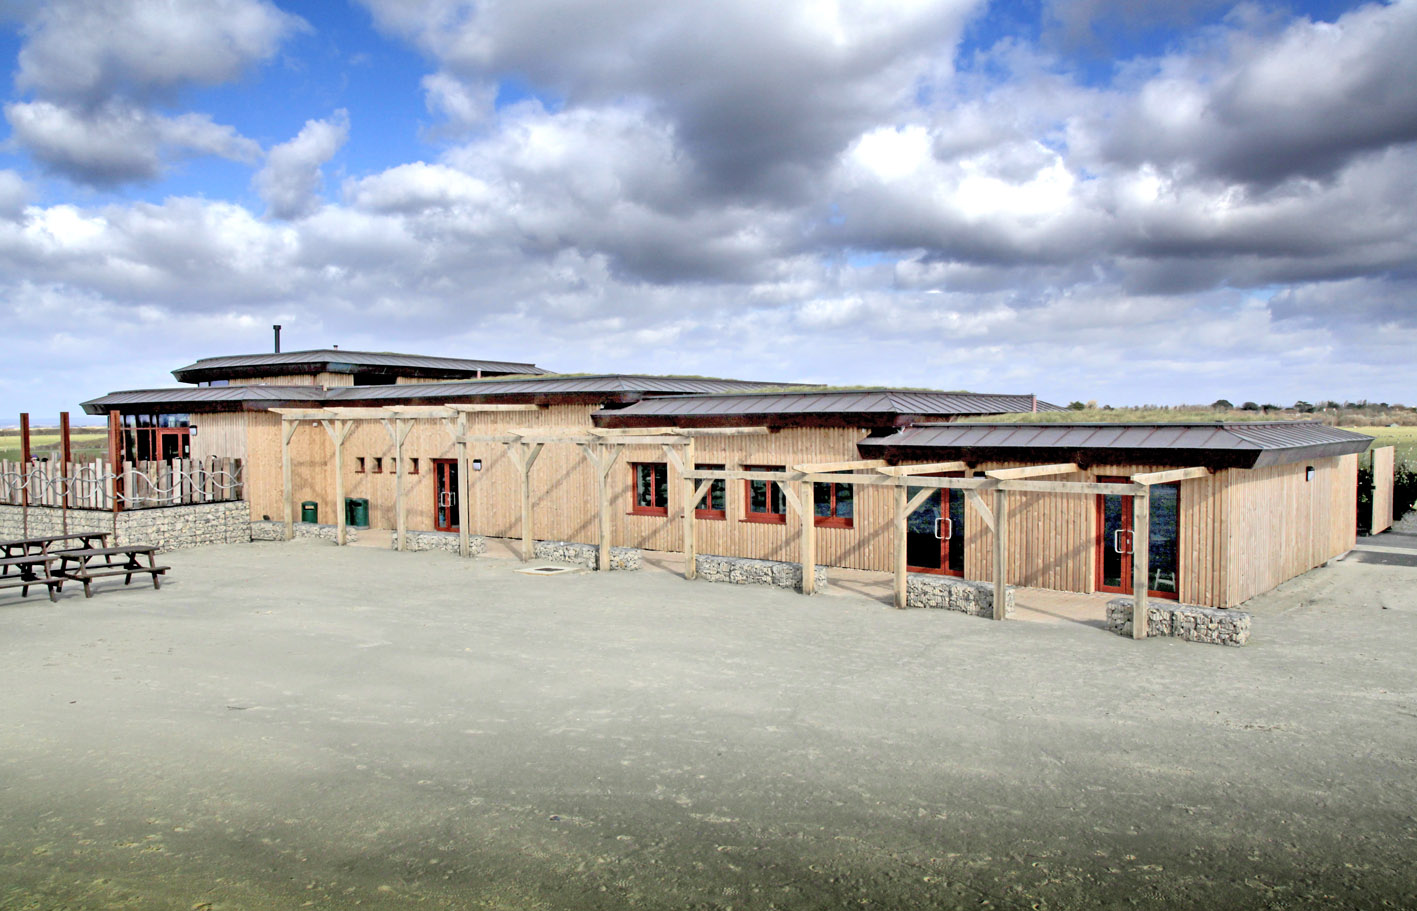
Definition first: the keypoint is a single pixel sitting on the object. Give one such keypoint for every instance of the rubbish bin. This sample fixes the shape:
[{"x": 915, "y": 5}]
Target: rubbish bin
[
  {"x": 356, "y": 512},
  {"x": 310, "y": 512}
]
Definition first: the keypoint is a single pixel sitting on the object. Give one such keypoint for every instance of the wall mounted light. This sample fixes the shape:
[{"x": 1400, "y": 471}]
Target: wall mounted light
[
  {"x": 1309, "y": 473},
  {"x": 476, "y": 464}
]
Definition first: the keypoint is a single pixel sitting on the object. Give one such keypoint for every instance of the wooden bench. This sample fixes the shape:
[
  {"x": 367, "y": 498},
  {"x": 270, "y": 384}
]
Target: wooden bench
[
  {"x": 80, "y": 565},
  {"x": 23, "y": 547},
  {"x": 33, "y": 569}
]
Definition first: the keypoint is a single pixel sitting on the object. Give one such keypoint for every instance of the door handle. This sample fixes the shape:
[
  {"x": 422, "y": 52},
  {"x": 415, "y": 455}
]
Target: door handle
[
  {"x": 939, "y": 522},
  {"x": 947, "y": 526},
  {"x": 1117, "y": 542}
]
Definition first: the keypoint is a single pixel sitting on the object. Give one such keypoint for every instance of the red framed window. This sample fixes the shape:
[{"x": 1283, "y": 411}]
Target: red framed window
[
  {"x": 762, "y": 500},
  {"x": 378, "y": 465},
  {"x": 651, "y": 489},
  {"x": 359, "y": 465},
  {"x": 413, "y": 466},
  {"x": 835, "y": 504},
  {"x": 714, "y": 505}
]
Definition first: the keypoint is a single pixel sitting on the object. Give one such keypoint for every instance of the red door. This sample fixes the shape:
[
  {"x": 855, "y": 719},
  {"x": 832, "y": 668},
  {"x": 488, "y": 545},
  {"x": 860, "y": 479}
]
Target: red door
[
  {"x": 934, "y": 533},
  {"x": 445, "y": 490},
  {"x": 1116, "y": 541}
]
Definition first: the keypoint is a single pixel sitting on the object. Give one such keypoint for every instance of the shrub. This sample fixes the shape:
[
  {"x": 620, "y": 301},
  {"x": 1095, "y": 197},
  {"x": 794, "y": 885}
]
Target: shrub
[{"x": 1404, "y": 493}]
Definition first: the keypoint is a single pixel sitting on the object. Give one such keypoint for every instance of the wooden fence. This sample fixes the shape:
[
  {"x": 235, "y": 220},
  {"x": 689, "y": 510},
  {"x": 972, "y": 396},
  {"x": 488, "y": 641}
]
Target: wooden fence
[{"x": 141, "y": 485}]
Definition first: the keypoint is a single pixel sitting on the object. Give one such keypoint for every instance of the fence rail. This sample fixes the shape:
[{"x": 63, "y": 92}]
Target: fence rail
[{"x": 140, "y": 485}]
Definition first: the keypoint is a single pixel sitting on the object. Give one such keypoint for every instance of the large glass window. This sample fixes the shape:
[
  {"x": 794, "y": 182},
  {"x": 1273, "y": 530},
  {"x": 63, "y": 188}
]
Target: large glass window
[
  {"x": 651, "y": 489},
  {"x": 156, "y": 437},
  {"x": 764, "y": 502},
  {"x": 714, "y": 505},
  {"x": 833, "y": 504}
]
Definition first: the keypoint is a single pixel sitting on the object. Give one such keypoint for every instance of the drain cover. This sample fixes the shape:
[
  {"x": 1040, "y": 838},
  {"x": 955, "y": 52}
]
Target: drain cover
[{"x": 549, "y": 570}]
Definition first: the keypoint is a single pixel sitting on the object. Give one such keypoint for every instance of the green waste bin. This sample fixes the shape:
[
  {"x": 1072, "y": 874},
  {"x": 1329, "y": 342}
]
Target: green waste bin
[
  {"x": 356, "y": 511},
  {"x": 310, "y": 512}
]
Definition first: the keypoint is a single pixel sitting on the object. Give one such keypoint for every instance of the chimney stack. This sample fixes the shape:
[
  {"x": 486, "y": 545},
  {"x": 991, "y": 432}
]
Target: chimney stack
[{"x": 277, "y": 329}]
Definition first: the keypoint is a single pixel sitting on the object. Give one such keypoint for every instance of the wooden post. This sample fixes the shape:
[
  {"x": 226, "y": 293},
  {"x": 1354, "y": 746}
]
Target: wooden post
[
  {"x": 904, "y": 506},
  {"x": 901, "y": 514},
  {"x": 339, "y": 432},
  {"x": 464, "y": 485},
  {"x": 115, "y": 458},
  {"x": 402, "y": 428},
  {"x": 1001, "y": 551},
  {"x": 287, "y": 432},
  {"x": 691, "y": 550},
  {"x": 528, "y": 454},
  {"x": 66, "y": 455},
  {"x": 807, "y": 549},
  {"x": 608, "y": 456},
  {"x": 1141, "y": 561},
  {"x": 25, "y": 472}
]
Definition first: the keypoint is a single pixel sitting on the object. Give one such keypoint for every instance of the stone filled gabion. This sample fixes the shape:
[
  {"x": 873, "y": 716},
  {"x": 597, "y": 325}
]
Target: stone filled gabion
[
  {"x": 587, "y": 555},
  {"x": 275, "y": 531},
  {"x": 439, "y": 540},
  {"x": 1182, "y": 621},
  {"x": 743, "y": 571},
  {"x": 166, "y": 528},
  {"x": 963, "y": 595}
]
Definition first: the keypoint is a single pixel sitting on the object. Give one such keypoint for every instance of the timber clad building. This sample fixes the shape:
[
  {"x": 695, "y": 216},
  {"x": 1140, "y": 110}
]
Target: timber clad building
[{"x": 890, "y": 478}]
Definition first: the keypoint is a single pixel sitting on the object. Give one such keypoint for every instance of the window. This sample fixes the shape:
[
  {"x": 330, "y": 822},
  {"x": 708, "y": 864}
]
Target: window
[
  {"x": 714, "y": 505},
  {"x": 834, "y": 504},
  {"x": 359, "y": 465},
  {"x": 651, "y": 489},
  {"x": 378, "y": 465},
  {"x": 413, "y": 466},
  {"x": 763, "y": 499}
]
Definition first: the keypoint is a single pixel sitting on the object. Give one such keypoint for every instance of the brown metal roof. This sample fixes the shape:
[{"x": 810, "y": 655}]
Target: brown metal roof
[
  {"x": 1218, "y": 445},
  {"x": 337, "y": 360},
  {"x": 848, "y": 408},
  {"x": 205, "y": 399}
]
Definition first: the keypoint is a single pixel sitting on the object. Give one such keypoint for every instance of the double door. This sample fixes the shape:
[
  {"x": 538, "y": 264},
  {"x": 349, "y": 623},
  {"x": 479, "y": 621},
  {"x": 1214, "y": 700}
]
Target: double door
[
  {"x": 934, "y": 533},
  {"x": 1116, "y": 541},
  {"x": 446, "y": 509}
]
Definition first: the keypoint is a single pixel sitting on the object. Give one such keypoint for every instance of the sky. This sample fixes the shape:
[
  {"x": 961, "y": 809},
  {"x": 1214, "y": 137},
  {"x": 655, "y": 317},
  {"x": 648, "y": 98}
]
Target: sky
[{"x": 1111, "y": 200}]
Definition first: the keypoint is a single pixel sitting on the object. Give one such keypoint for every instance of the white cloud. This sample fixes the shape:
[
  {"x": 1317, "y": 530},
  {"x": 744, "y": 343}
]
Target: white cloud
[
  {"x": 291, "y": 179},
  {"x": 88, "y": 50},
  {"x": 116, "y": 142}
]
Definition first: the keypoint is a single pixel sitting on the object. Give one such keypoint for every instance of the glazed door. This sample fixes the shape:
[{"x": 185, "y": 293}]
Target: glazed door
[
  {"x": 173, "y": 444},
  {"x": 934, "y": 533},
  {"x": 445, "y": 507},
  {"x": 1116, "y": 541}
]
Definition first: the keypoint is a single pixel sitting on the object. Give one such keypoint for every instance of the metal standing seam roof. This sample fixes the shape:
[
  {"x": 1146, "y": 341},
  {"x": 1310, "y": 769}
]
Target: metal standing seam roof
[
  {"x": 602, "y": 388},
  {"x": 1234, "y": 444},
  {"x": 551, "y": 384},
  {"x": 822, "y": 403},
  {"x": 337, "y": 357}
]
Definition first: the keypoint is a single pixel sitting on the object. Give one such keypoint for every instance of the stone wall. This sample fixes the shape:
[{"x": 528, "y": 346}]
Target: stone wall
[
  {"x": 166, "y": 528},
  {"x": 439, "y": 540},
  {"x": 587, "y": 555},
  {"x": 272, "y": 530},
  {"x": 951, "y": 593},
  {"x": 1183, "y": 621},
  {"x": 742, "y": 571}
]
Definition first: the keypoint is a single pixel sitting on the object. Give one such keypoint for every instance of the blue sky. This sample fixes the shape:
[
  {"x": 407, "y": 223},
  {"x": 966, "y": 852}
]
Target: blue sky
[{"x": 1084, "y": 199}]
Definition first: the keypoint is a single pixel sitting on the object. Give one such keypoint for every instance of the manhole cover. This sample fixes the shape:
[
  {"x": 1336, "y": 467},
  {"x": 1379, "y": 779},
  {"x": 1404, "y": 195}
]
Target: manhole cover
[{"x": 549, "y": 570}]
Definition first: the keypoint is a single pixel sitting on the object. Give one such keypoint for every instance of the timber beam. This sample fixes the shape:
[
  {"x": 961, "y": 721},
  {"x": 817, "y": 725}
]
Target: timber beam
[
  {"x": 1168, "y": 477},
  {"x": 1030, "y": 471},
  {"x": 901, "y": 471}
]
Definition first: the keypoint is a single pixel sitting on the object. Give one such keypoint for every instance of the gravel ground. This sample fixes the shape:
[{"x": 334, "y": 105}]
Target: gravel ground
[{"x": 297, "y": 725}]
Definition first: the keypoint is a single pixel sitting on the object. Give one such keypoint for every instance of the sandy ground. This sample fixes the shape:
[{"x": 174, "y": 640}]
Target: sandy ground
[{"x": 296, "y": 725}]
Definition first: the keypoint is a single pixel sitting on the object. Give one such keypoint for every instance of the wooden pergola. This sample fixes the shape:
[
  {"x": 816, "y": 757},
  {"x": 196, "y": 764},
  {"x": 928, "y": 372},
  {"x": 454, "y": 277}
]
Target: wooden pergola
[{"x": 603, "y": 447}]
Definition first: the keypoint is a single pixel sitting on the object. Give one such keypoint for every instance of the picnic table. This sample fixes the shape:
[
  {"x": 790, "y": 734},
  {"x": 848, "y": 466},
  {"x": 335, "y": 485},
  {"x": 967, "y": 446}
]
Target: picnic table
[
  {"x": 32, "y": 569},
  {"x": 84, "y": 565},
  {"x": 22, "y": 547}
]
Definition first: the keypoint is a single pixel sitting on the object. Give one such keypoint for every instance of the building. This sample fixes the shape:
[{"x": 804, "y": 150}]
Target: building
[{"x": 891, "y": 479}]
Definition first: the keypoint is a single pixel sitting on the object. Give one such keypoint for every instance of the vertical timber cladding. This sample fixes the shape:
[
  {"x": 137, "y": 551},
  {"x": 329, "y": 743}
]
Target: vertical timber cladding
[
  {"x": 312, "y": 460},
  {"x": 221, "y": 434},
  {"x": 1280, "y": 523}
]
